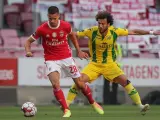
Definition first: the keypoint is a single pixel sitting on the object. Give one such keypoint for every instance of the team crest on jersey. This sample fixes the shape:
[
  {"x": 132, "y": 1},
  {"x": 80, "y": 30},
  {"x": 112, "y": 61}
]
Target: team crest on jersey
[
  {"x": 47, "y": 36},
  {"x": 108, "y": 37},
  {"x": 54, "y": 34},
  {"x": 61, "y": 33}
]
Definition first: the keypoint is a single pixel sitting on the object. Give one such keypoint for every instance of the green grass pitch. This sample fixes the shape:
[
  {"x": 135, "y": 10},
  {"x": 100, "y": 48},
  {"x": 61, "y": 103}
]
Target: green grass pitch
[{"x": 121, "y": 112}]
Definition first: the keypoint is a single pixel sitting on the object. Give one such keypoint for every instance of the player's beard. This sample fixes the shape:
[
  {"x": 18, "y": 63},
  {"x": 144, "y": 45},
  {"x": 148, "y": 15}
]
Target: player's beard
[{"x": 103, "y": 31}]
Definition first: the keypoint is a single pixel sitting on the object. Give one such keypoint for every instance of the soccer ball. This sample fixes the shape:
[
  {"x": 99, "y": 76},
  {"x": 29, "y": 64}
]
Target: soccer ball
[{"x": 29, "y": 109}]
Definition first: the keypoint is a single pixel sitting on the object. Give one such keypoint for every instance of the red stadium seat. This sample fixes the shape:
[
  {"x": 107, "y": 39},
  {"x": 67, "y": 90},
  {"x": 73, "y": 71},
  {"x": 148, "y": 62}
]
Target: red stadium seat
[
  {"x": 8, "y": 33},
  {"x": 83, "y": 42},
  {"x": 10, "y": 39},
  {"x": 23, "y": 40},
  {"x": 145, "y": 53},
  {"x": 143, "y": 48},
  {"x": 11, "y": 42},
  {"x": 25, "y": 16},
  {"x": 28, "y": 8},
  {"x": 12, "y": 16},
  {"x": 154, "y": 40},
  {"x": 21, "y": 6},
  {"x": 5, "y": 2},
  {"x": 27, "y": 21}
]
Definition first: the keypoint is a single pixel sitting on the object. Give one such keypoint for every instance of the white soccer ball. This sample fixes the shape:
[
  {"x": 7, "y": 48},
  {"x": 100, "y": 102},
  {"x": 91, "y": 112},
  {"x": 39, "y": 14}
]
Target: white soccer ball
[{"x": 29, "y": 109}]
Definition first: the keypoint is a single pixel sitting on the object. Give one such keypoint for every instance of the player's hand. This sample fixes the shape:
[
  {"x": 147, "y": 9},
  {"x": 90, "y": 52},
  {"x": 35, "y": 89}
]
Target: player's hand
[
  {"x": 82, "y": 55},
  {"x": 156, "y": 32},
  {"x": 29, "y": 54}
]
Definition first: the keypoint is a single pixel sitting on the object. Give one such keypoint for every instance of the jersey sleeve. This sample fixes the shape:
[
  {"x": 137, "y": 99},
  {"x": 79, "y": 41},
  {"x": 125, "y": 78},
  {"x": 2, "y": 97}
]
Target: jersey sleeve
[
  {"x": 84, "y": 33},
  {"x": 68, "y": 28},
  {"x": 36, "y": 34},
  {"x": 121, "y": 32}
]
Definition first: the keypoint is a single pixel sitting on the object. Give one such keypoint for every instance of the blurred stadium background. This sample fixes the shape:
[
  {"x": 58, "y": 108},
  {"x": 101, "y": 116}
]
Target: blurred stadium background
[{"x": 24, "y": 79}]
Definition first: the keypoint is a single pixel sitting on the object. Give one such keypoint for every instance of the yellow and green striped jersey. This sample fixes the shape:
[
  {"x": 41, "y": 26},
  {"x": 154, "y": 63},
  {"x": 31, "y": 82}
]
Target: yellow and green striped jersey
[{"x": 102, "y": 49}]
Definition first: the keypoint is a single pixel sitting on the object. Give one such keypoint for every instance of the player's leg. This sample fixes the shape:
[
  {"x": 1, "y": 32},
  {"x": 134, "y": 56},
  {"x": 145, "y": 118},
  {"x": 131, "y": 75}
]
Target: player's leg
[
  {"x": 74, "y": 89},
  {"x": 90, "y": 73},
  {"x": 72, "y": 69},
  {"x": 80, "y": 80},
  {"x": 72, "y": 93},
  {"x": 117, "y": 75},
  {"x": 132, "y": 92},
  {"x": 87, "y": 92},
  {"x": 54, "y": 77}
]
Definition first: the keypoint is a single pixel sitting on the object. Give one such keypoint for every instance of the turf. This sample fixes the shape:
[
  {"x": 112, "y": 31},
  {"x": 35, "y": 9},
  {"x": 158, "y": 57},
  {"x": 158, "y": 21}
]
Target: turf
[{"x": 82, "y": 113}]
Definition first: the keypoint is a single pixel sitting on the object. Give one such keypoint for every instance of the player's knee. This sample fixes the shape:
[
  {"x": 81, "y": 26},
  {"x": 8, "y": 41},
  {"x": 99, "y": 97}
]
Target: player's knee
[
  {"x": 85, "y": 78},
  {"x": 79, "y": 85},
  {"x": 56, "y": 86}
]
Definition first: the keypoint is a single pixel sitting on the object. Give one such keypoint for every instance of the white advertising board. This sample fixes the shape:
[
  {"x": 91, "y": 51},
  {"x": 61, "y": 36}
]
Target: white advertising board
[{"x": 142, "y": 72}]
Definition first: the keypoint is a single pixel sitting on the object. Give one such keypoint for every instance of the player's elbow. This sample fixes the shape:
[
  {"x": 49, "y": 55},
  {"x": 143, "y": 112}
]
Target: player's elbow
[
  {"x": 72, "y": 34},
  {"x": 28, "y": 42}
]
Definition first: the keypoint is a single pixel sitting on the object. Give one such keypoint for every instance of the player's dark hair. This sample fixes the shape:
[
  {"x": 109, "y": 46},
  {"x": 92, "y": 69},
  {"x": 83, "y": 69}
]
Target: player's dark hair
[
  {"x": 105, "y": 15},
  {"x": 53, "y": 10}
]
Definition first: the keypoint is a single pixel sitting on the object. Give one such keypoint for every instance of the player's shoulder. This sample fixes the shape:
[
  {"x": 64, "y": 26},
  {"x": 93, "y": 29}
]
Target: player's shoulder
[
  {"x": 113, "y": 28},
  {"x": 64, "y": 23},
  {"x": 94, "y": 28},
  {"x": 91, "y": 29},
  {"x": 43, "y": 25}
]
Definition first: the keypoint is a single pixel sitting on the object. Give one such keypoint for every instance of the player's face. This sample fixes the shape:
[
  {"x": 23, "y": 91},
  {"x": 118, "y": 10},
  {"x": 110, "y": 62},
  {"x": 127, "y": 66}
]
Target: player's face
[
  {"x": 103, "y": 25},
  {"x": 53, "y": 19}
]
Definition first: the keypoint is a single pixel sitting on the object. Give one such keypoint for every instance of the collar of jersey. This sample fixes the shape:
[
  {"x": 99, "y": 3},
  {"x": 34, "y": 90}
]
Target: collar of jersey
[
  {"x": 106, "y": 34},
  {"x": 99, "y": 34},
  {"x": 54, "y": 27}
]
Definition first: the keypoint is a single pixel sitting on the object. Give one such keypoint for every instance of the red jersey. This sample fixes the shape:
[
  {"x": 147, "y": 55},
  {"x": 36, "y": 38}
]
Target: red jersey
[{"x": 54, "y": 40}]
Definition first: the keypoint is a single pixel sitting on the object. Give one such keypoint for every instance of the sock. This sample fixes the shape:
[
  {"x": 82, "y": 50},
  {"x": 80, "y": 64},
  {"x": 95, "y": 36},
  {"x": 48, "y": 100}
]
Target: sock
[
  {"x": 132, "y": 92},
  {"x": 87, "y": 92},
  {"x": 60, "y": 98},
  {"x": 73, "y": 91}
]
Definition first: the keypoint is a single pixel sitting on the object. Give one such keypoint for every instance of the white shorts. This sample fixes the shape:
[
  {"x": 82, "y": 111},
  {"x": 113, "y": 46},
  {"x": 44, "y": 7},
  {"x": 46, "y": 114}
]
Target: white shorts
[{"x": 66, "y": 67}]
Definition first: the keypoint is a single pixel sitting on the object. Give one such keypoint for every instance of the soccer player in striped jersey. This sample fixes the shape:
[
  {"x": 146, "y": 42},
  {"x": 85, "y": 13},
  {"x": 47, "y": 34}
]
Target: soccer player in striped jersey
[{"x": 102, "y": 40}]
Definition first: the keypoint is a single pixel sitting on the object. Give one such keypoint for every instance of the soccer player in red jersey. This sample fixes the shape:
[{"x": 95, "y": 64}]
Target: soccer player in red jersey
[{"x": 58, "y": 56}]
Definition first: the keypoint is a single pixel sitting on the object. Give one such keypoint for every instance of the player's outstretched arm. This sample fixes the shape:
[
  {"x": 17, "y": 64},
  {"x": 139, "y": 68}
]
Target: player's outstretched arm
[
  {"x": 73, "y": 38},
  {"x": 28, "y": 47},
  {"x": 142, "y": 32}
]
